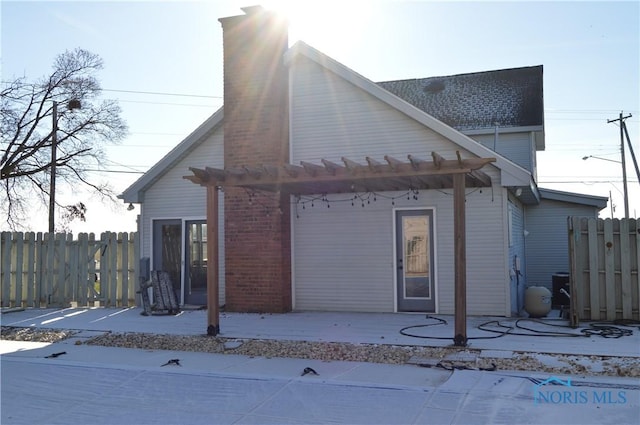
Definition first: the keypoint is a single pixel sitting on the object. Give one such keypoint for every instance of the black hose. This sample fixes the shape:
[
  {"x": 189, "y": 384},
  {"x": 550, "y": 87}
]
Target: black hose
[{"x": 603, "y": 329}]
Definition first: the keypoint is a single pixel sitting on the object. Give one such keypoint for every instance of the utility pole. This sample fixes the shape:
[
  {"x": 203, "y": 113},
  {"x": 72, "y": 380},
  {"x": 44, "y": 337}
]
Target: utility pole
[
  {"x": 633, "y": 155},
  {"x": 52, "y": 186},
  {"x": 71, "y": 105},
  {"x": 621, "y": 118}
]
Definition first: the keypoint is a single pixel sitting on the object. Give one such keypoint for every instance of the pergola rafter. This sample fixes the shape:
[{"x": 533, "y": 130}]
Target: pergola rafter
[
  {"x": 350, "y": 176},
  {"x": 309, "y": 178}
]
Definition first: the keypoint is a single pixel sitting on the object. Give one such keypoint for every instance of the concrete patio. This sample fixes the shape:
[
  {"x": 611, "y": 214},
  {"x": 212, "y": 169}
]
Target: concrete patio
[{"x": 358, "y": 328}]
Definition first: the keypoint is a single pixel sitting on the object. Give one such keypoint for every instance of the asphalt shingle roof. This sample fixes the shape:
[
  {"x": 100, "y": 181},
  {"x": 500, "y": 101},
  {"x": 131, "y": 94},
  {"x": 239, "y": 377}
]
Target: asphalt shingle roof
[{"x": 509, "y": 97}]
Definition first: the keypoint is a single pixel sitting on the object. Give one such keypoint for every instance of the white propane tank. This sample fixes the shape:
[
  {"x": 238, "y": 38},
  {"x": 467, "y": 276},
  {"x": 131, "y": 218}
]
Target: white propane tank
[{"x": 537, "y": 301}]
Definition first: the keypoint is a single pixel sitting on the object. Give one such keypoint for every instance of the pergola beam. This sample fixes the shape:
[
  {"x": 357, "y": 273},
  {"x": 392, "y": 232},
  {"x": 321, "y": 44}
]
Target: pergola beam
[{"x": 298, "y": 179}]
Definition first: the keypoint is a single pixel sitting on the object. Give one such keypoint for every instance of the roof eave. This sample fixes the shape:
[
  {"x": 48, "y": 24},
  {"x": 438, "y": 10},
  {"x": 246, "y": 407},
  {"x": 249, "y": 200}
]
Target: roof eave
[
  {"x": 135, "y": 192},
  {"x": 599, "y": 202},
  {"x": 537, "y": 130}
]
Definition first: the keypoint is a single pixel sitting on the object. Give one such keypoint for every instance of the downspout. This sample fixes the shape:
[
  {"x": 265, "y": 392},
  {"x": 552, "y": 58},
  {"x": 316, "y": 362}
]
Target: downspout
[{"x": 516, "y": 268}]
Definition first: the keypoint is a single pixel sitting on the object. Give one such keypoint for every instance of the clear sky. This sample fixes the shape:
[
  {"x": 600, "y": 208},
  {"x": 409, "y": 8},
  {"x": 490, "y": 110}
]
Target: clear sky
[{"x": 590, "y": 52}]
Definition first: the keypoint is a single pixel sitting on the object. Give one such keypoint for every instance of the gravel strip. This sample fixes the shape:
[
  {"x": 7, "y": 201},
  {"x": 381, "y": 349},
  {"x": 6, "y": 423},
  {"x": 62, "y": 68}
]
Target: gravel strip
[
  {"x": 34, "y": 334},
  {"x": 333, "y": 351},
  {"x": 266, "y": 348}
]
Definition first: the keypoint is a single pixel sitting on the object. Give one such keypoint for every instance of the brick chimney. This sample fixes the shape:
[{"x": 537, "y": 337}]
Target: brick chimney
[{"x": 256, "y": 131}]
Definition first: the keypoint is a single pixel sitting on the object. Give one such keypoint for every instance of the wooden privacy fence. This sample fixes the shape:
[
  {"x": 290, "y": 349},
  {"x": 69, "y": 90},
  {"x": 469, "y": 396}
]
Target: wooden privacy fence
[
  {"x": 45, "y": 270},
  {"x": 604, "y": 255}
]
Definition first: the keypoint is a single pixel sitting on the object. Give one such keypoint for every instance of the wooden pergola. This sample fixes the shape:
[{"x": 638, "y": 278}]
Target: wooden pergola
[{"x": 349, "y": 177}]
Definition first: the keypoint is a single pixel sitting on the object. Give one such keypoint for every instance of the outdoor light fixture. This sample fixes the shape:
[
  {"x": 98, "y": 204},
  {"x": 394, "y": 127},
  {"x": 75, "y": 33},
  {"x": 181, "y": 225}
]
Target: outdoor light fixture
[
  {"x": 73, "y": 104},
  {"x": 584, "y": 158},
  {"x": 624, "y": 178},
  {"x": 130, "y": 207}
]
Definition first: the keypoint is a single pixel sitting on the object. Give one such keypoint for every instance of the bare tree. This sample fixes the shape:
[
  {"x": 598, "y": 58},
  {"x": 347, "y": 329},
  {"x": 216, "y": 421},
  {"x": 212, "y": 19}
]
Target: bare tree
[{"x": 26, "y": 125}]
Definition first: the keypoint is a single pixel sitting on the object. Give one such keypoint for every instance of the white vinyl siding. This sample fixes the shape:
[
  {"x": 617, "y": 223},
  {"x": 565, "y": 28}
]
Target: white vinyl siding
[
  {"x": 547, "y": 242},
  {"x": 514, "y": 146},
  {"x": 516, "y": 249},
  {"x": 487, "y": 276},
  {"x": 173, "y": 197},
  {"x": 331, "y": 118},
  {"x": 343, "y": 255},
  {"x": 344, "y": 261}
]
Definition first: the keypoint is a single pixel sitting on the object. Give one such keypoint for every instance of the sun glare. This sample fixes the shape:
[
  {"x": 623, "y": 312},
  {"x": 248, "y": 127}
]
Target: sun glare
[{"x": 326, "y": 25}]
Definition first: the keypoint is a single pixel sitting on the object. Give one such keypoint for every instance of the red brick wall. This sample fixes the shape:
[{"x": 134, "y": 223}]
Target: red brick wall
[{"x": 257, "y": 229}]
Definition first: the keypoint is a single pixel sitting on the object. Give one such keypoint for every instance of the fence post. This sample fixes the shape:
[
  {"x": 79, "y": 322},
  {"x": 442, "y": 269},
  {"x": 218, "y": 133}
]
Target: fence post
[
  {"x": 134, "y": 260},
  {"x": 5, "y": 267},
  {"x": 124, "y": 269},
  {"x": 41, "y": 258},
  {"x": 18, "y": 243},
  {"x": 609, "y": 269},
  {"x": 133, "y": 269},
  {"x": 625, "y": 268},
  {"x": 83, "y": 274},
  {"x": 69, "y": 278},
  {"x": 31, "y": 281},
  {"x": 594, "y": 272},
  {"x": 113, "y": 269},
  {"x": 93, "y": 270},
  {"x": 574, "y": 232}
]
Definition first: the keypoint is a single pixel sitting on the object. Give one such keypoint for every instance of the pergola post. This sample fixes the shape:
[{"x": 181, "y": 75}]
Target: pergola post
[
  {"x": 213, "y": 278},
  {"x": 460, "y": 262}
]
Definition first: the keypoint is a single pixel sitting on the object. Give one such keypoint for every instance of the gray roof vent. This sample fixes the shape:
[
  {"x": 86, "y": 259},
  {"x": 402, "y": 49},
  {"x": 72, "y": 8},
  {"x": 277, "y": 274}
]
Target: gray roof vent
[{"x": 434, "y": 87}]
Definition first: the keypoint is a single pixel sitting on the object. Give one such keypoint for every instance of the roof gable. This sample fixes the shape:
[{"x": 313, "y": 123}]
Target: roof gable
[
  {"x": 135, "y": 192},
  {"x": 512, "y": 174}
]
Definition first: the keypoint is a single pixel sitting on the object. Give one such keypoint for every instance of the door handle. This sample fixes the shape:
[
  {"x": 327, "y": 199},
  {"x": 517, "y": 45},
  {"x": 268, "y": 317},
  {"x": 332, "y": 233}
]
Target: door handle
[{"x": 400, "y": 267}]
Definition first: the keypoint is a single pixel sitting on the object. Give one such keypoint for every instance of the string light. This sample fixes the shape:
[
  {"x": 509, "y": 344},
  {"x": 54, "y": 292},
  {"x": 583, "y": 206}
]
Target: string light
[{"x": 362, "y": 197}]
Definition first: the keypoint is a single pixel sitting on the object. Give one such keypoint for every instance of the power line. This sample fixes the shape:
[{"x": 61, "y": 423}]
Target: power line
[
  {"x": 121, "y": 165},
  {"x": 154, "y": 146},
  {"x": 580, "y": 111},
  {"x": 166, "y": 103},
  {"x": 115, "y": 171},
  {"x": 156, "y": 134},
  {"x": 583, "y": 181},
  {"x": 601, "y": 151},
  {"x": 578, "y": 119},
  {"x": 163, "y": 93}
]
